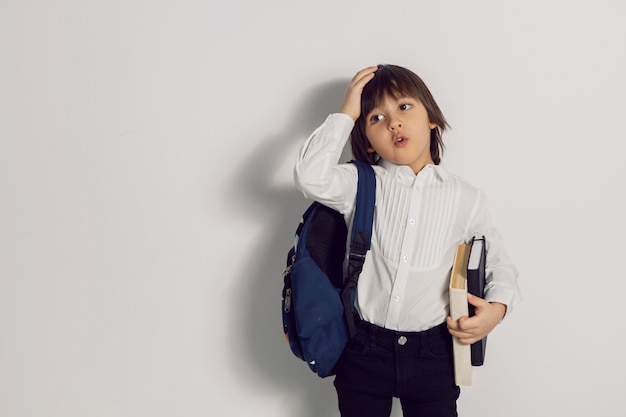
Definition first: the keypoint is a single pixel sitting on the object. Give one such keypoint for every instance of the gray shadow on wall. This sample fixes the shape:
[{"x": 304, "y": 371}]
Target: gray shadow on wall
[{"x": 268, "y": 365}]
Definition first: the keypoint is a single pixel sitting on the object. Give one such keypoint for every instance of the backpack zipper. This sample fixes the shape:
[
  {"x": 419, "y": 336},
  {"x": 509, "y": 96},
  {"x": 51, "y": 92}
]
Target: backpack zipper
[{"x": 287, "y": 300}]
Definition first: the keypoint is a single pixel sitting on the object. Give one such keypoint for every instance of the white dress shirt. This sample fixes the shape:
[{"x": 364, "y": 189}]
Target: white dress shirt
[{"x": 418, "y": 222}]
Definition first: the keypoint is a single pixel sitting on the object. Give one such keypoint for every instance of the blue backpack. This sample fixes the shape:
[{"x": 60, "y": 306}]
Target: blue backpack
[{"x": 317, "y": 300}]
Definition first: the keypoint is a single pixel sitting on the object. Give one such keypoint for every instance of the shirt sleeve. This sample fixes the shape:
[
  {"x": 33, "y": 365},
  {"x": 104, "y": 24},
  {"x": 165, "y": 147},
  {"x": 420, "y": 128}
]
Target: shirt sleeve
[
  {"x": 318, "y": 174},
  {"x": 500, "y": 275}
]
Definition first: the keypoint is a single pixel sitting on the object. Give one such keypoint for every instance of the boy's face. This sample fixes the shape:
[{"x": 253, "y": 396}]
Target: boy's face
[{"x": 399, "y": 132}]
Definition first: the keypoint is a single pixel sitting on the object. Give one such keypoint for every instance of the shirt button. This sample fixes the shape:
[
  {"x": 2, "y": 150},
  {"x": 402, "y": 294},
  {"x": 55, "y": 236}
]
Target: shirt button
[
  {"x": 402, "y": 340},
  {"x": 405, "y": 259},
  {"x": 396, "y": 298},
  {"x": 412, "y": 222}
]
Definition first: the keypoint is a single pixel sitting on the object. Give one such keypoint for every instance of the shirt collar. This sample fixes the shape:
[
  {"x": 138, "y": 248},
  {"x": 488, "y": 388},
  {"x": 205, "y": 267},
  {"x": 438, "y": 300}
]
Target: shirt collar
[{"x": 405, "y": 174}]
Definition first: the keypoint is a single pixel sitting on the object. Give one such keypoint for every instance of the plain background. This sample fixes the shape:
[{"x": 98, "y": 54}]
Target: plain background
[{"x": 147, "y": 201}]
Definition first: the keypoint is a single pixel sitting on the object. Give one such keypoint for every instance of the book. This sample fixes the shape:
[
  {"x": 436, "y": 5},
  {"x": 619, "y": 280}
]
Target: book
[
  {"x": 476, "y": 285},
  {"x": 467, "y": 275},
  {"x": 459, "y": 307}
]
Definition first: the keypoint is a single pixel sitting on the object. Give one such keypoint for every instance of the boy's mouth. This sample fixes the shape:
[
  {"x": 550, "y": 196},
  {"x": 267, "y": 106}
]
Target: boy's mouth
[{"x": 399, "y": 140}]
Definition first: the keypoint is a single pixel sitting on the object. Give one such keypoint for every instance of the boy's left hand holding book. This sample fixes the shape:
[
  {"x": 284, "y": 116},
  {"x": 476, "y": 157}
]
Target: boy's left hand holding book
[{"x": 472, "y": 329}]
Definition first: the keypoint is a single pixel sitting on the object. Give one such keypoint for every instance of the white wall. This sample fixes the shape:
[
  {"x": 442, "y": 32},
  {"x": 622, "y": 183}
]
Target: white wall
[{"x": 146, "y": 198}]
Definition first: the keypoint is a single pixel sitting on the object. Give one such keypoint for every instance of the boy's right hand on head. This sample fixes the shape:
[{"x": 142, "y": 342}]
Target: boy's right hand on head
[{"x": 352, "y": 98}]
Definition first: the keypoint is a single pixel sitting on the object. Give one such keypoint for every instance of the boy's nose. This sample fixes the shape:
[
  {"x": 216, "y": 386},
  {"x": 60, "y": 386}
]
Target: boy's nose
[{"x": 394, "y": 124}]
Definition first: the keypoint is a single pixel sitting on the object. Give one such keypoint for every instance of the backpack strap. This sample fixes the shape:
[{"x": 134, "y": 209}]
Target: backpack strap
[{"x": 360, "y": 239}]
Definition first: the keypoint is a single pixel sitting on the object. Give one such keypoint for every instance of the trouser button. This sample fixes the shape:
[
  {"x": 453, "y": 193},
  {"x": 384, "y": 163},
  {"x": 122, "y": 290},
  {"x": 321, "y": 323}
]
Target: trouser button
[{"x": 402, "y": 340}]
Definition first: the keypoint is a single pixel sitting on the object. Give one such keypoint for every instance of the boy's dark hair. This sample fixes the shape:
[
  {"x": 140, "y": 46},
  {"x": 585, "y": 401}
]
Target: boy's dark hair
[{"x": 396, "y": 81}]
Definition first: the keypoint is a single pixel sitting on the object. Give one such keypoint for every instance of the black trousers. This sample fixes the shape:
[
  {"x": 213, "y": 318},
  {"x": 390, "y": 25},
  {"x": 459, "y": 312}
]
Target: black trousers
[{"x": 379, "y": 364}]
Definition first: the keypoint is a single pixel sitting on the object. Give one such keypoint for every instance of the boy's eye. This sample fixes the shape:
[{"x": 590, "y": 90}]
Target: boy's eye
[
  {"x": 376, "y": 118},
  {"x": 405, "y": 106}
]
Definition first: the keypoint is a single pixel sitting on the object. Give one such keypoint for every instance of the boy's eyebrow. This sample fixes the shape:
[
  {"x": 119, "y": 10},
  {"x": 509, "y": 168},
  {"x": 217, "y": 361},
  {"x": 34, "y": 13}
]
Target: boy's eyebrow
[{"x": 398, "y": 98}]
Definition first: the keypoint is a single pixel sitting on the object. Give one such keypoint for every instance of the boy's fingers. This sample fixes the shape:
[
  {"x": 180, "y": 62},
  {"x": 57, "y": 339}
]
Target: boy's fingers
[
  {"x": 469, "y": 324},
  {"x": 462, "y": 323},
  {"x": 474, "y": 300},
  {"x": 363, "y": 77},
  {"x": 458, "y": 325},
  {"x": 365, "y": 72}
]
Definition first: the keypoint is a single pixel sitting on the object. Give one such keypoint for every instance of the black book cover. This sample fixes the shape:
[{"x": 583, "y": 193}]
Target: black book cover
[{"x": 476, "y": 286}]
